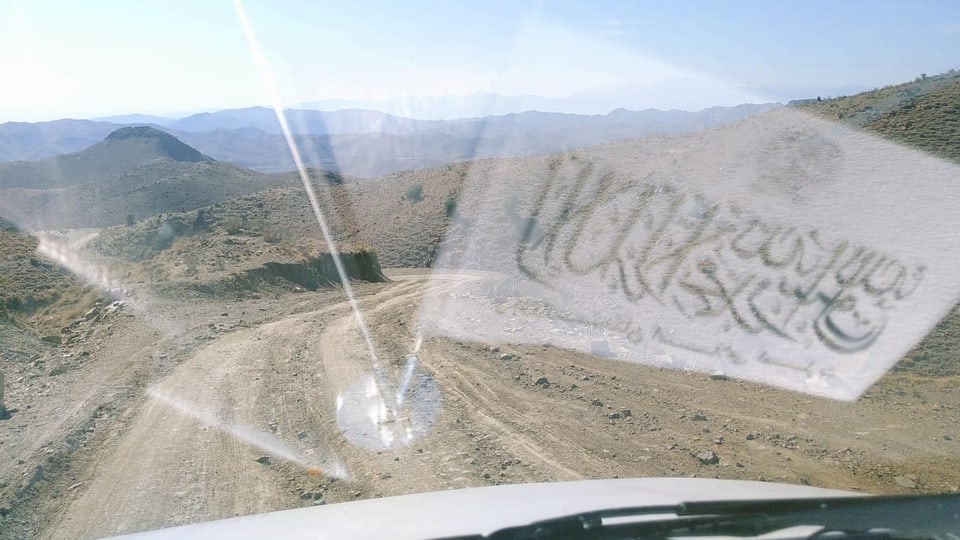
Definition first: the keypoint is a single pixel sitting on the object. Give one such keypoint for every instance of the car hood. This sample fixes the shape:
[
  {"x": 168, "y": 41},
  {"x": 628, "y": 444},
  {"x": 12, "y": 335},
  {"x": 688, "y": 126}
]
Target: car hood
[{"x": 478, "y": 510}]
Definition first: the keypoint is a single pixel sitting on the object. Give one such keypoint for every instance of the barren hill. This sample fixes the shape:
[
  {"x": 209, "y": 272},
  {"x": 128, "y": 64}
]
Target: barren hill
[
  {"x": 132, "y": 173},
  {"x": 924, "y": 113},
  {"x": 37, "y": 298},
  {"x": 121, "y": 151}
]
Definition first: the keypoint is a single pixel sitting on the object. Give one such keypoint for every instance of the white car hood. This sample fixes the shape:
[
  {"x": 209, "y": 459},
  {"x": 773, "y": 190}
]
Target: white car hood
[{"x": 478, "y": 510}]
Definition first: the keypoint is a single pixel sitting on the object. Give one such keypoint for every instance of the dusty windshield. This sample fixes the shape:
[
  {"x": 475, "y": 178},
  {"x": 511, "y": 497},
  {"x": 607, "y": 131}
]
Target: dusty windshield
[{"x": 257, "y": 257}]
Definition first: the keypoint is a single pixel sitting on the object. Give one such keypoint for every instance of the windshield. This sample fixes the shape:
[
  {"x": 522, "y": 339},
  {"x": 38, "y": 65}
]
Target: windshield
[{"x": 258, "y": 257}]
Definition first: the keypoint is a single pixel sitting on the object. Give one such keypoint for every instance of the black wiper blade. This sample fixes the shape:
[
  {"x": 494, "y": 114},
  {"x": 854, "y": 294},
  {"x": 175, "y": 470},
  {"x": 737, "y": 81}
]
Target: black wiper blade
[
  {"x": 570, "y": 526},
  {"x": 912, "y": 516},
  {"x": 922, "y": 516},
  {"x": 583, "y": 525}
]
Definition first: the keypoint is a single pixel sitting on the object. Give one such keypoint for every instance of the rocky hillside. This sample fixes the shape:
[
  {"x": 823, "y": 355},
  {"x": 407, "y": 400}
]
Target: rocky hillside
[
  {"x": 402, "y": 216},
  {"x": 32, "y": 285},
  {"x": 241, "y": 246},
  {"x": 924, "y": 113},
  {"x": 37, "y": 299}
]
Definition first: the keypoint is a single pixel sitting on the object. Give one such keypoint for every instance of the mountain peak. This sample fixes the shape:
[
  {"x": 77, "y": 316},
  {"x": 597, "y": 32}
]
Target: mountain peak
[
  {"x": 160, "y": 142},
  {"x": 145, "y": 132}
]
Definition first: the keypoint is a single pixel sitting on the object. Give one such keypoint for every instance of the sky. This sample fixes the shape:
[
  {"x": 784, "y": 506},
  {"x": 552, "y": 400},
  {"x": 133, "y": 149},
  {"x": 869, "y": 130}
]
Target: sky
[{"x": 97, "y": 57}]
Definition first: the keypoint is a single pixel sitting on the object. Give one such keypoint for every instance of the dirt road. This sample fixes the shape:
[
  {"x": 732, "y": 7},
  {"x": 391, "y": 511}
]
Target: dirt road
[{"x": 236, "y": 412}]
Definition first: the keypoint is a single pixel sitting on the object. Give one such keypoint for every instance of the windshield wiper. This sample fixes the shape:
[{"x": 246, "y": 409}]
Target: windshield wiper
[{"x": 923, "y": 516}]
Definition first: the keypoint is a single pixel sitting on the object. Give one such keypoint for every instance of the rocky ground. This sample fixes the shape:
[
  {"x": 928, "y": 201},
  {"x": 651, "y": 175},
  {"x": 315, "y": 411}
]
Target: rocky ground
[{"x": 167, "y": 410}]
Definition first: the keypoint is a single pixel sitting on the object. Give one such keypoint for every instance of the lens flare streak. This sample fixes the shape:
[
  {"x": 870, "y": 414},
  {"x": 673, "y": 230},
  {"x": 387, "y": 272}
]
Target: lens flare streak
[{"x": 256, "y": 438}]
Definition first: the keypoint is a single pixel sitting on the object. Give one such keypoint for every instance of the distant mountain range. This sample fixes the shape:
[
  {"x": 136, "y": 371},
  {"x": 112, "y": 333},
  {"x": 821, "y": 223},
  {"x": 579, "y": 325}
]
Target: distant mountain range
[
  {"x": 365, "y": 142},
  {"x": 302, "y": 121},
  {"x": 686, "y": 93},
  {"x": 141, "y": 170}
]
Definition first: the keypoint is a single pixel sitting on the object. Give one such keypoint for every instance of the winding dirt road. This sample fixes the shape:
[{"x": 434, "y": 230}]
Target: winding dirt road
[{"x": 247, "y": 422}]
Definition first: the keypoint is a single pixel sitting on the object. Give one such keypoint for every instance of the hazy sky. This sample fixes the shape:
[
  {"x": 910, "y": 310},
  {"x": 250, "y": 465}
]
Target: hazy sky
[{"x": 93, "y": 58}]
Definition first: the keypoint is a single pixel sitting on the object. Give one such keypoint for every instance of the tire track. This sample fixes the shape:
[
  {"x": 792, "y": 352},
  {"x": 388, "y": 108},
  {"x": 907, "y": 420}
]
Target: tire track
[{"x": 508, "y": 423}]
